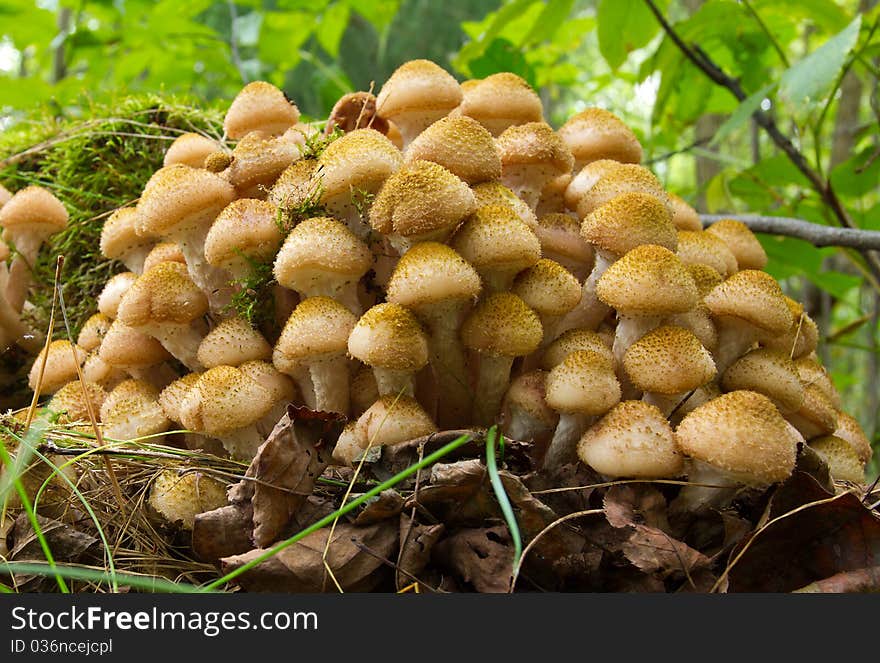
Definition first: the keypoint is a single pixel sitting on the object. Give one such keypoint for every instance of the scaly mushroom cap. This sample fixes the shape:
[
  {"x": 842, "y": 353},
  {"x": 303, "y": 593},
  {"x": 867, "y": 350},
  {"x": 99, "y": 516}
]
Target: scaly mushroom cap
[
  {"x": 705, "y": 278},
  {"x": 842, "y": 460},
  {"x": 536, "y": 145},
  {"x": 179, "y": 498},
  {"x": 395, "y": 419},
  {"x": 767, "y": 372},
  {"x": 621, "y": 179},
  {"x": 495, "y": 193},
  {"x": 753, "y": 296},
  {"x": 702, "y": 248},
  {"x": 279, "y": 385},
  {"x": 850, "y": 430},
  {"x": 62, "y": 359},
  {"x": 257, "y": 161},
  {"x": 462, "y": 146},
  {"x": 632, "y": 440},
  {"x": 630, "y": 220},
  {"x": 583, "y": 383},
  {"x": 500, "y": 101},
  {"x": 527, "y": 393},
  {"x": 321, "y": 250},
  {"x": 742, "y": 242},
  {"x": 223, "y": 400},
  {"x": 132, "y": 411},
  {"x": 422, "y": 198},
  {"x": 165, "y": 294},
  {"x": 585, "y": 179},
  {"x": 649, "y": 280},
  {"x": 259, "y": 106},
  {"x": 389, "y": 336},
  {"x": 560, "y": 239},
  {"x": 113, "y": 292},
  {"x": 817, "y": 416},
  {"x": 494, "y": 238},
  {"x": 231, "y": 343},
  {"x": 245, "y": 231},
  {"x": 548, "y": 288},
  {"x": 430, "y": 273},
  {"x": 163, "y": 252},
  {"x": 171, "y": 397},
  {"x": 684, "y": 217},
  {"x": 502, "y": 324},
  {"x": 595, "y": 133},
  {"x": 119, "y": 235},
  {"x": 364, "y": 389},
  {"x": 801, "y": 338},
  {"x": 318, "y": 326},
  {"x": 32, "y": 210},
  {"x": 417, "y": 94},
  {"x": 125, "y": 347},
  {"x": 73, "y": 400},
  {"x": 361, "y": 160},
  {"x": 668, "y": 360},
  {"x": 740, "y": 432},
  {"x": 190, "y": 149},
  {"x": 93, "y": 331},
  {"x": 813, "y": 373},
  {"x": 572, "y": 340},
  {"x": 179, "y": 199},
  {"x": 298, "y": 185}
]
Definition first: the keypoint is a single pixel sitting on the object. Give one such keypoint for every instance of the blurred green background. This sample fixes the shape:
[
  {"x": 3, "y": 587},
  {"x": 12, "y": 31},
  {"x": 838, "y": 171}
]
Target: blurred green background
[{"x": 813, "y": 64}]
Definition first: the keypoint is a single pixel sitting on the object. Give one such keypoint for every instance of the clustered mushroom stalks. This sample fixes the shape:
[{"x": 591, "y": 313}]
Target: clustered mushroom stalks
[{"x": 443, "y": 259}]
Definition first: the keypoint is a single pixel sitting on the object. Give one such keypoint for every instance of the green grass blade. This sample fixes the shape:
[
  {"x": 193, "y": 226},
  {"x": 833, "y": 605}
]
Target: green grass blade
[
  {"x": 501, "y": 496},
  {"x": 142, "y": 582}
]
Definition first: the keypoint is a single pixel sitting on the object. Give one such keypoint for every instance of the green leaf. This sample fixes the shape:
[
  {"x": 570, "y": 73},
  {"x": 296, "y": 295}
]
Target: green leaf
[
  {"x": 624, "y": 26},
  {"x": 808, "y": 81},
  {"x": 379, "y": 13},
  {"x": 331, "y": 27},
  {"x": 484, "y": 33},
  {"x": 549, "y": 21},
  {"x": 502, "y": 55},
  {"x": 742, "y": 113},
  {"x": 247, "y": 27},
  {"x": 856, "y": 177}
]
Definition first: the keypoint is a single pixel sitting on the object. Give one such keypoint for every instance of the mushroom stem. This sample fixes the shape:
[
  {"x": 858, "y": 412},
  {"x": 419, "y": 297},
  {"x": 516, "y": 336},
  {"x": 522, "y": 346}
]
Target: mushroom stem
[
  {"x": 27, "y": 248},
  {"x": 330, "y": 381},
  {"x": 630, "y": 328},
  {"x": 182, "y": 341},
  {"x": 393, "y": 382},
  {"x": 214, "y": 282},
  {"x": 242, "y": 443},
  {"x": 449, "y": 364},
  {"x": 563, "y": 446},
  {"x": 492, "y": 382},
  {"x": 590, "y": 311},
  {"x": 708, "y": 487},
  {"x": 134, "y": 259}
]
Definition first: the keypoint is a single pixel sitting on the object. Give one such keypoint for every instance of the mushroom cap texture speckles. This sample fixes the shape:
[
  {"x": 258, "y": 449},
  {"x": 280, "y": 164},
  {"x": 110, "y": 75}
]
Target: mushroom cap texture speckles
[
  {"x": 633, "y": 440},
  {"x": 33, "y": 209},
  {"x": 740, "y": 432},
  {"x": 318, "y": 326},
  {"x": 61, "y": 359},
  {"x": 617, "y": 180},
  {"x": 165, "y": 294},
  {"x": 415, "y": 86},
  {"x": 179, "y": 198},
  {"x": 500, "y": 101},
  {"x": 753, "y": 296},
  {"x": 534, "y": 144},
  {"x": 126, "y": 347},
  {"x": 224, "y": 399},
  {"x": 246, "y": 229},
  {"x": 162, "y": 252},
  {"x": 259, "y": 106},
  {"x": 701, "y": 247},
  {"x": 648, "y": 280},
  {"x": 596, "y": 133},
  {"x": 668, "y": 360},
  {"x": 560, "y": 235},
  {"x": 393, "y": 419},
  {"x": 742, "y": 242},
  {"x": 171, "y": 397},
  {"x": 190, "y": 149},
  {"x": 705, "y": 278},
  {"x": 502, "y": 324},
  {"x": 585, "y": 179},
  {"x": 181, "y": 497},
  {"x": 422, "y": 197},
  {"x": 431, "y": 273},
  {"x": 118, "y": 236},
  {"x": 548, "y": 288},
  {"x": 258, "y": 160},
  {"x": 73, "y": 400},
  {"x": 462, "y": 146},
  {"x": 495, "y": 193},
  {"x": 93, "y": 331},
  {"x": 584, "y": 383},
  {"x": 768, "y": 372},
  {"x": 684, "y": 217},
  {"x": 527, "y": 393},
  {"x": 495, "y": 238},
  {"x": 132, "y": 410},
  {"x": 299, "y": 184},
  {"x": 575, "y": 339},
  {"x": 842, "y": 460},
  {"x": 360, "y": 160},
  {"x": 630, "y": 220},
  {"x": 232, "y": 342},
  {"x": 389, "y": 336},
  {"x": 849, "y": 429}
]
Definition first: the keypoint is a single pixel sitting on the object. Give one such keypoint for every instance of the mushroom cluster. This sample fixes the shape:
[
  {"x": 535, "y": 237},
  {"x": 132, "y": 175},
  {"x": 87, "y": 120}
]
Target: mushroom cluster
[{"x": 439, "y": 257}]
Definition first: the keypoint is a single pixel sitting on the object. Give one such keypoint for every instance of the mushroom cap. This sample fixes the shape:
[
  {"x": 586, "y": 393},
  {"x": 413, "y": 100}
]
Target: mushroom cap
[
  {"x": 572, "y": 340},
  {"x": 632, "y": 440},
  {"x": 668, "y": 360},
  {"x": 93, "y": 331},
  {"x": 742, "y": 433},
  {"x": 536, "y": 145},
  {"x": 596, "y": 133},
  {"x": 418, "y": 87},
  {"x": 223, "y": 400},
  {"x": 495, "y": 193},
  {"x": 527, "y": 393},
  {"x": 494, "y": 238},
  {"x": 431, "y": 273},
  {"x": 767, "y": 372},
  {"x": 113, "y": 291},
  {"x": 462, "y": 146},
  {"x": 360, "y": 160},
  {"x": 98, "y": 371},
  {"x": 583, "y": 383},
  {"x": 355, "y": 110},
  {"x": 624, "y": 177},
  {"x": 817, "y": 416},
  {"x": 684, "y": 217},
  {"x": 321, "y": 250},
  {"x": 231, "y": 343},
  {"x": 245, "y": 231},
  {"x": 32, "y": 210},
  {"x": 171, "y": 397},
  {"x": 649, "y": 280},
  {"x": 62, "y": 359},
  {"x": 190, "y": 149},
  {"x": 165, "y": 294},
  {"x": 279, "y": 385},
  {"x": 258, "y": 160},
  {"x": 502, "y": 325},
  {"x": 73, "y": 400},
  {"x": 630, "y": 220},
  {"x": 752, "y": 296},
  {"x": 842, "y": 460},
  {"x": 318, "y": 327},
  {"x": 421, "y": 198},
  {"x": 299, "y": 185},
  {"x": 813, "y": 373},
  {"x": 585, "y": 179},
  {"x": 703, "y": 248},
  {"x": 178, "y": 199},
  {"x": 364, "y": 390},
  {"x": 500, "y": 101},
  {"x": 119, "y": 235},
  {"x": 849, "y": 429},
  {"x": 132, "y": 410},
  {"x": 395, "y": 419},
  {"x": 548, "y": 288},
  {"x": 802, "y": 337},
  {"x": 259, "y": 106},
  {"x": 181, "y": 497},
  {"x": 126, "y": 347},
  {"x": 389, "y": 336},
  {"x": 163, "y": 252},
  {"x": 742, "y": 242},
  {"x": 705, "y": 278},
  {"x": 560, "y": 237}
]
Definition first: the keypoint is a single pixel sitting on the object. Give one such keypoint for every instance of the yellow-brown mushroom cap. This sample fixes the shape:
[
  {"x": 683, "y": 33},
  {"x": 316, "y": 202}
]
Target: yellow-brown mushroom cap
[
  {"x": 33, "y": 210},
  {"x": 389, "y": 336},
  {"x": 668, "y": 360},
  {"x": 279, "y": 385},
  {"x": 742, "y": 242},
  {"x": 802, "y": 337},
  {"x": 705, "y": 278},
  {"x": 684, "y": 217},
  {"x": 318, "y": 326},
  {"x": 171, "y": 397},
  {"x": 113, "y": 291},
  {"x": 61, "y": 359},
  {"x": 842, "y": 460},
  {"x": 394, "y": 419},
  {"x": 430, "y": 273},
  {"x": 232, "y": 342},
  {"x": 596, "y": 133},
  {"x": 360, "y": 160},
  {"x": 300, "y": 184},
  {"x": 126, "y": 347},
  {"x": 502, "y": 324},
  {"x": 500, "y": 101},
  {"x": 162, "y": 252},
  {"x": 548, "y": 288},
  {"x": 615, "y": 181},
  {"x": 93, "y": 331},
  {"x": 767, "y": 372},
  {"x": 462, "y": 146},
  {"x": 527, "y": 393},
  {"x": 190, "y": 149},
  {"x": 494, "y": 237},
  {"x": 259, "y": 106},
  {"x": 119, "y": 234},
  {"x": 743, "y": 433},
  {"x": 585, "y": 179},
  {"x": 224, "y": 399},
  {"x": 583, "y": 383},
  {"x": 73, "y": 400},
  {"x": 630, "y": 220},
  {"x": 753, "y": 296},
  {"x": 132, "y": 410},
  {"x": 849, "y": 429},
  {"x": 534, "y": 144},
  {"x": 495, "y": 193},
  {"x": 245, "y": 231},
  {"x": 703, "y": 248},
  {"x": 572, "y": 340},
  {"x": 560, "y": 235},
  {"x": 417, "y": 86},
  {"x": 181, "y": 497},
  {"x": 165, "y": 294},
  {"x": 258, "y": 160},
  {"x": 813, "y": 373}
]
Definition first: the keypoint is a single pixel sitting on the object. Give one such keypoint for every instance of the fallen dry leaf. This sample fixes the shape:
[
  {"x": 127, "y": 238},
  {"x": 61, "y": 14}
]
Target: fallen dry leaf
[
  {"x": 386, "y": 504},
  {"x": 482, "y": 557},
  {"x": 223, "y": 532},
  {"x": 859, "y": 581},
  {"x": 417, "y": 541}
]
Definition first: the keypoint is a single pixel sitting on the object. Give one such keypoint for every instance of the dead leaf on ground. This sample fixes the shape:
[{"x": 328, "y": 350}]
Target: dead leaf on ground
[
  {"x": 482, "y": 557},
  {"x": 223, "y": 532},
  {"x": 416, "y": 544},
  {"x": 386, "y": 504},
  {"x": 862, "y": 581}
]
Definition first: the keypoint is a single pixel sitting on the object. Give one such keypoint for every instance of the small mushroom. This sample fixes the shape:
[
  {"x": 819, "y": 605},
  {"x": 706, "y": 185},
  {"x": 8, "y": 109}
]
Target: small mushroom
[{"x": 596, "y": 133}]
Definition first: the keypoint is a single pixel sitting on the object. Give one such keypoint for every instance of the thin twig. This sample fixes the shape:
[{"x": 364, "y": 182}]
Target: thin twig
[{"x": 814, "y": 233}]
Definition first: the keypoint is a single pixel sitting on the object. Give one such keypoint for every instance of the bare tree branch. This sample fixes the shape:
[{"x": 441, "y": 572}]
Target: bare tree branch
[{"x": 815, "y": 234}]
